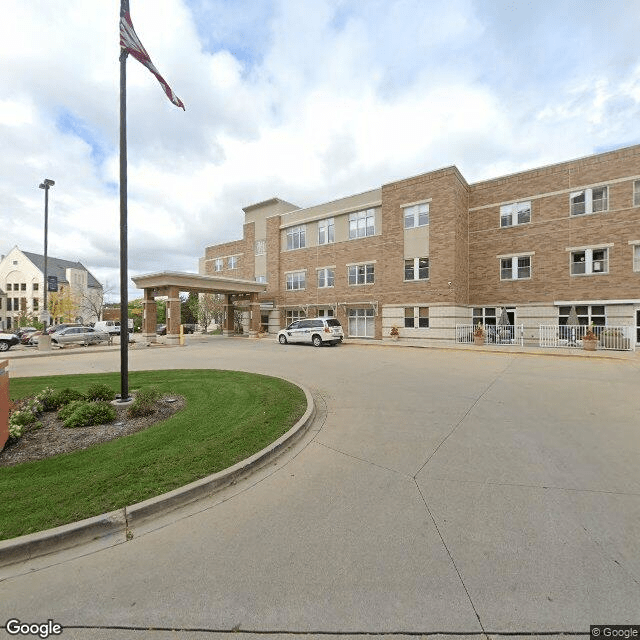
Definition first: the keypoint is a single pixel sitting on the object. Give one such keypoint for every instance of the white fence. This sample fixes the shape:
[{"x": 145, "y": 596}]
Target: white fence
[
  {"x": 571, "y": 335},
  {"x": 504, "y": 334}
]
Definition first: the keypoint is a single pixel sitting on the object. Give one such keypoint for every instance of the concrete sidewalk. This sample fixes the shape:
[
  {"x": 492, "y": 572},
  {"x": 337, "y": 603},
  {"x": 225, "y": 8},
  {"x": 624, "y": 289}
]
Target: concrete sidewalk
[{"x": 473, "y": 493}]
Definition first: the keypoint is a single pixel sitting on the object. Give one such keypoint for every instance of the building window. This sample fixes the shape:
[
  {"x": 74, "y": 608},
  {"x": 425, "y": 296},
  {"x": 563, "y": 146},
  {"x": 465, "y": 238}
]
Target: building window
[
  {"x": 325, "y": 313},
  {"x": 416, "y": 216},
  {"x": 361, "y": 274},
  {"x": 516, "y": 268},
  {"x": 484, "y": 316},
  {"x": 636, "y": 257},
  {"x": 8, "y": 286},
  {"x": 261, "y": 278},
  {"x": 292, "y": 315},
  {"x": 261, "y": 247},
  {"x": 232, "y": 262},
  {"x": 35, "y": 286},
  {"x": 589, "y": 201},
  {"x": 217, "y": 265},
  {"x": 589, "y": 261},
  {"x": 326, "y": 231},
  {"x": 636, "y": 193},
  {"x": 515, "y": 213},
  {"x": 296, "y": 237},
  {"x": 362, "y": 323},
  {"x": 23, "y": 286},
  {"x": 296, "y": 280},
  {"x": 416, "y": 269},
  {"x": 416, "y": 317},
  {"x": 362, "y": 224},
  {"x": 326, "y": 278},
  {"x": 587, "y": 314},
  {"x": 35, "y": 304}
]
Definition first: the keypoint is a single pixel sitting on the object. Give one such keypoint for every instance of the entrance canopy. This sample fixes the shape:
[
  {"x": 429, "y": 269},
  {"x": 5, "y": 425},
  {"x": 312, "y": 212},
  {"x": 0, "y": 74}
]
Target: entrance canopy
[
  {"x": 171, "y": 283},
  {"x": 193, "y": 282}
]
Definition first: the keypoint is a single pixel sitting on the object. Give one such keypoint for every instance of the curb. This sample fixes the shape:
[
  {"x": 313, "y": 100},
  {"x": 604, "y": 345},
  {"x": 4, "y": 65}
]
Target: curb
[{"x": 117, "y": 524}]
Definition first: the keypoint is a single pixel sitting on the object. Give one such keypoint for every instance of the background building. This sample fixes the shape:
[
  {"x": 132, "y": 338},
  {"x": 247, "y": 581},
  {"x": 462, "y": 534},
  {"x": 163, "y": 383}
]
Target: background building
[
  {"x": 432, "y": 254},
  {"x": 79, "y": 296}
]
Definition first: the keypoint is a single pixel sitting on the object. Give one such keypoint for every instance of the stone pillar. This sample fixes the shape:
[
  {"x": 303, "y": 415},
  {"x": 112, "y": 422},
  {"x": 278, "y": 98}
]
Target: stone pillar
[
  {"x": 227, "y": 329},
  {"x": 173, "y": 316},
  {"x": 149, "y": 316},
  {"x": 254, "y": 317}
]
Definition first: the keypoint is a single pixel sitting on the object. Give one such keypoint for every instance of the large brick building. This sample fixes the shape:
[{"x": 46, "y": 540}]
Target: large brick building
[{"x": 428, "y": 253}]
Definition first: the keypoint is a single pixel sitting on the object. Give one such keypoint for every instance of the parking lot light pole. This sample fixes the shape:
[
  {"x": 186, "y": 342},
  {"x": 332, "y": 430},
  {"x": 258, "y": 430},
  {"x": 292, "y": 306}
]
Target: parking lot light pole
[{"x": 46, "y": 185}]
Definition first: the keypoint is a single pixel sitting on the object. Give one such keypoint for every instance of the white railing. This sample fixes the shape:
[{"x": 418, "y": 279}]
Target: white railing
[
  {"x": 612, "y": 338},
  {"x": 503, "y": 334}
]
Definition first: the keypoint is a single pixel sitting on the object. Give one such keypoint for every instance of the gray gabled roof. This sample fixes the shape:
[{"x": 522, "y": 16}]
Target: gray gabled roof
[{"x": 57, "y": 267}]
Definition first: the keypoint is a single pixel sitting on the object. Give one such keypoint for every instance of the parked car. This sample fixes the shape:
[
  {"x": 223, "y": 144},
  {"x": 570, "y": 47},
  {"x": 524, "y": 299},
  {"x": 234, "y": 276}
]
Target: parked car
[
  {"x": 111, "y": 327},
  {"x": 161, "y": 329},
  {"x": 33, "y": 339},
  {"x": 188, "y": 328},
  {"x": 59, "y": 327},
  {"x": 7, "y": 340},
  {"x": 22, "y": 330},
  {"x": 315, "y": 331},
  {"x": 78, "y": 335},
  {"x": 25, "y": 336}
]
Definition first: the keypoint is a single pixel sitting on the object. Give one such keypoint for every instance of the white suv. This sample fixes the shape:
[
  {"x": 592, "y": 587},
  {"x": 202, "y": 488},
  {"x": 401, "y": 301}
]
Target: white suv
[{"x": 315, "y": 331}]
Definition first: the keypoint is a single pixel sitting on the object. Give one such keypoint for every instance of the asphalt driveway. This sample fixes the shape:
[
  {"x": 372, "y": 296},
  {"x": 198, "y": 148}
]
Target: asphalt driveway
[{"x": 464, "y": 492}]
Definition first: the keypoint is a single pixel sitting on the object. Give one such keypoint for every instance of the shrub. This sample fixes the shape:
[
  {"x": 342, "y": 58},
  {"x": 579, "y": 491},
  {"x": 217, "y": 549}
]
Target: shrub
[
  {"x": 65, "y": 396},
  {"x": 144, "y": 403},
  {"x": 87, "y": 414},
  {"x": 67, "y": 410},
  {"x": 18, "y": 420},
  {"x": 100, "y": 391},
  {"x": 46, "y": 399}
]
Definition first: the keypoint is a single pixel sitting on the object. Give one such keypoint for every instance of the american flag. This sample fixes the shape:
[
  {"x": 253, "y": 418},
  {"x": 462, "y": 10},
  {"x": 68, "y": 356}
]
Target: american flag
[{"x": 130, "y": 42}]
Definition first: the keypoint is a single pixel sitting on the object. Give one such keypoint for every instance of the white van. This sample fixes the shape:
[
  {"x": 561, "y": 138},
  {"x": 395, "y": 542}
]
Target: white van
[{"x": 112, "y": 327}]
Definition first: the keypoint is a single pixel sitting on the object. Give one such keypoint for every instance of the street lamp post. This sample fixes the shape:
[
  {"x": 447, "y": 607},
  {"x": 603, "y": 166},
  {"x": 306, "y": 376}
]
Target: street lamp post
[{"x": 46, "y": 185}]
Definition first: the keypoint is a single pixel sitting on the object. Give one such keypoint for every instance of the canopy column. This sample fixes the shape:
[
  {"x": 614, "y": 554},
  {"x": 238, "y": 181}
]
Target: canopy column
[
  {"x": 149, "y": 316},
  {"x": 173, "y": 316},
  {"x": 228, "y": 328},
  {"x": 254, "y": 317}
]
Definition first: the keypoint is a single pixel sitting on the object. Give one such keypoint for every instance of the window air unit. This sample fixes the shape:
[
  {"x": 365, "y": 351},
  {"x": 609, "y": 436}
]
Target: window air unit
[{"x": 597, "y": 265}]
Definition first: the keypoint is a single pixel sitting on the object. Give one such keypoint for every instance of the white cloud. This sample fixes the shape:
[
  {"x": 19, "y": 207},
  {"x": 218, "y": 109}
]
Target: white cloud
[{"x": 307, "y": 100}]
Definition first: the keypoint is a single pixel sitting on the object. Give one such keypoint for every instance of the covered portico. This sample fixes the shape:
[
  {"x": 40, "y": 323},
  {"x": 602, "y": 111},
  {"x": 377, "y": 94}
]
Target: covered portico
[{"x": 171, "y": 283}]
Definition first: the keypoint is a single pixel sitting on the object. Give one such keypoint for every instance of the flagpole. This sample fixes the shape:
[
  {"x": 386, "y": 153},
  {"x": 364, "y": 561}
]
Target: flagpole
[{"x": 124, "y": 280}]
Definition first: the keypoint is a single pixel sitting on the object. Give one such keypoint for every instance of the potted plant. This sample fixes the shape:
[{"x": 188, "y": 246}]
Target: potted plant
[
  {"x": 394, "y": 333},
  {"x": 590, "y": 339},
  {"x": 478, "y": 334}
]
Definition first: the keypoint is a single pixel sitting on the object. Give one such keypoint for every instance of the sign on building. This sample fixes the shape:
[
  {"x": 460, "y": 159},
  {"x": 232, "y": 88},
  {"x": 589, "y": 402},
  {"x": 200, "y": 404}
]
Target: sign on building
[{"x": 52, "y": 283}]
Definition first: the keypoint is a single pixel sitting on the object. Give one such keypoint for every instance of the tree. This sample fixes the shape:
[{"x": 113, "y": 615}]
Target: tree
[
  {"x": 62, "y": 305},
  {"x": 91, "y": 301},
  {"x": 189, "y": 308},
  {"x": 207, "y": 308}
]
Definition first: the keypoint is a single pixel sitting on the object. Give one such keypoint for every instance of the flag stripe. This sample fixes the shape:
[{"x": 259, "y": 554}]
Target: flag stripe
[{"x": 130, "y": 42}]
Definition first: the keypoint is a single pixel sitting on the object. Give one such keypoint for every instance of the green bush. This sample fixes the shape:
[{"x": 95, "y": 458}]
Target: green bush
[
  {"x": 100, "y": 391},
  {"x": 87, "y": 414},
  {"x": 18, "y": 420},
  {"x": 66, "y": 411},
  {"x": 144, "y": 403},
  {"x": 46, "y": 398},
  {"x": 65, "y": 396}
]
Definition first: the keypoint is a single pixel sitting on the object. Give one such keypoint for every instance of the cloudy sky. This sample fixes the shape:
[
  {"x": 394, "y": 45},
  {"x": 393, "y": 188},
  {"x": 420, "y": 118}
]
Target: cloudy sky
[{"x": 307, "y": 100}]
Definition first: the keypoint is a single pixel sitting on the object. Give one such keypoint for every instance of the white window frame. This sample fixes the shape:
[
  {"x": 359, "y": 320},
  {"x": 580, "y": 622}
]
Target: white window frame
[
  {"x": 296, "y": 280},
  {"x": 361, "y": 274},
  {"x": 414, "y": 265},
  {"x": 218, "y": 264},
  {"x": 636, "y": 193},
  {"x": 361, "y": 323},
  {"x": 326, "y": 276},
  {"x": 362, "y": 224},
  {"x": 636, "y": 257},
  {"x": 515, "y": 267},
  {"x": 416, "y": 215},
  {"x": 296, "y": 237},
  {"x": 514, "y": 214},
  {"x": 326, "y": 231},
  {"x": 291, "y": 315},
  {"x": 587, "y": 314},
  {"x": 262, "y": 279},
  {"x": 417, "y": 317},
  {"x": 261, "y": 247},
  {"x": 232, "y": 262},
  {"x": 595, "y": 260},
  {"x": 586, "y": 201}
]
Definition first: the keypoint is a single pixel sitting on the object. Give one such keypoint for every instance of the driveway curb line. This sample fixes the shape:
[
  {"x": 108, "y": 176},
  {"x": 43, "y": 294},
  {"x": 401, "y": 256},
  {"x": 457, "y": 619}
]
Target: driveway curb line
[{"x": 117, "y": 524}]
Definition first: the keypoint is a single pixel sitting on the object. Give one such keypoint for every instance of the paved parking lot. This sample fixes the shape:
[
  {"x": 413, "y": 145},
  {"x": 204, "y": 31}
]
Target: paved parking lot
[{"x": 467, "y": 492}]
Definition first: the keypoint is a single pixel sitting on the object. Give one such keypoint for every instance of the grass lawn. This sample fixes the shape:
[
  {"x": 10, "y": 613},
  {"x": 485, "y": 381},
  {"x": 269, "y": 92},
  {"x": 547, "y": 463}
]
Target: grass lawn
[{"x": 228, "y": 416}]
